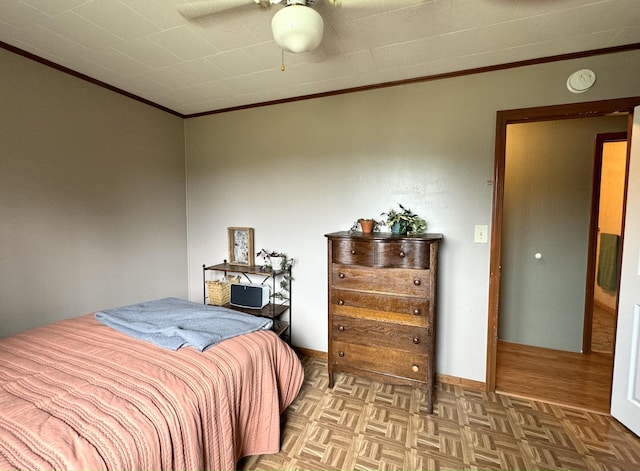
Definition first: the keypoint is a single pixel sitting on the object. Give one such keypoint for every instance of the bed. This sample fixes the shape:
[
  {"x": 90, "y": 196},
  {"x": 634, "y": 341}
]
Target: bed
[{"x": 77, "y": 394}]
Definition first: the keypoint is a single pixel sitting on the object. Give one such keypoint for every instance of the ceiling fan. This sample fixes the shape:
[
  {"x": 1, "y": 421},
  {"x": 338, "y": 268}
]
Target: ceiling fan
[{"x": 296, "y": 27}]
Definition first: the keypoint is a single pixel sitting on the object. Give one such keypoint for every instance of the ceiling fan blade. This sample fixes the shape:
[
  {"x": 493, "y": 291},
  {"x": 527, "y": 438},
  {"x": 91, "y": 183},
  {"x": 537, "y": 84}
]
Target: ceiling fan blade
[
  {"x": 363, "y": 3},
  {"x": 198, "y": 8}
]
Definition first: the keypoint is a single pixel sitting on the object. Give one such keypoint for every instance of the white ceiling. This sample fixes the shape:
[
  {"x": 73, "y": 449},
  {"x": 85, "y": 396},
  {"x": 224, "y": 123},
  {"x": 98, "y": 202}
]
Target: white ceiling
[{"x": 146, "y": 48}]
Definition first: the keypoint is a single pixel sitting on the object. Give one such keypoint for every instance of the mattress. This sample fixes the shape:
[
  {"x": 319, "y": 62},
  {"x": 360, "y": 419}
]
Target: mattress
[{"x": 77, "y": 394}]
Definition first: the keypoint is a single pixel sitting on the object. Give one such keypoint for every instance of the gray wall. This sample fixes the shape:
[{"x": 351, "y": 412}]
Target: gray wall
[
  {"x": 547, "y": 205},
  {"x": 93, "y": 188},
  {"x": 92, "y": 206},
  {"x": 296, "y": 171}
]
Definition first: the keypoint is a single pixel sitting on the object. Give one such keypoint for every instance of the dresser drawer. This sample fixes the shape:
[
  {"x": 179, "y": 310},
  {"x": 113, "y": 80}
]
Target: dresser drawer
[
  {"x": 376, "y": 359},
  {"x": 402, "y": 254},
  {"x": 381, "y": 334},
  {"x": 373, "y": 306},
  {"x": 400, "y": 281},
  {"x": 352, "y": 252}
]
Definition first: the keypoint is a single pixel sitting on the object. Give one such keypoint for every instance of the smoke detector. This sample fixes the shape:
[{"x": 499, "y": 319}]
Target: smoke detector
[{"x": 581, "y": 81}]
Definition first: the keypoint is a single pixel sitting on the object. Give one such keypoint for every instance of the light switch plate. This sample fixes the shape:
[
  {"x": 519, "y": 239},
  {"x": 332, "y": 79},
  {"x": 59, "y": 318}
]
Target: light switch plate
[{"x": 480, "y": 234}]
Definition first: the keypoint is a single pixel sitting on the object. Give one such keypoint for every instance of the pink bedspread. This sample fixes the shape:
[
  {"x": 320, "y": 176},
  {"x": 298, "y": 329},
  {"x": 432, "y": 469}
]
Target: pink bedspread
[{"x": 78, "y": 395}]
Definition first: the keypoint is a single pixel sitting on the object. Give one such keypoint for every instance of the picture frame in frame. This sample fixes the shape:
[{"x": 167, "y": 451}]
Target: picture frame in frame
[{"x": 241, "y": 246}]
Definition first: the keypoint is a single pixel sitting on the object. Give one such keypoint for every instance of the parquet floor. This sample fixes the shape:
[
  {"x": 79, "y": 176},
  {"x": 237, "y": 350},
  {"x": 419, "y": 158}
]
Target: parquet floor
[{"x": 364, "y": 425}]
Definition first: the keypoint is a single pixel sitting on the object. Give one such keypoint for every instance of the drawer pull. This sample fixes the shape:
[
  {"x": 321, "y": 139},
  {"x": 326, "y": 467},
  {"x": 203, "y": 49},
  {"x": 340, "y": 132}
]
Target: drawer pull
[
  {"x": 402, "y": 254},
  {"x": 415, "y": 368},
  {"x": 353, "y": 252},
  {"x": 416, "y": 312},
  {"x": 340, "y": 354},
  {"x": 341, "y": 302},
  {"x": 416, "y": 340},
  {"x": 341, "y": 328},
  {"x": 417, "y": 282},
  {"x": 341, "y": 275}
]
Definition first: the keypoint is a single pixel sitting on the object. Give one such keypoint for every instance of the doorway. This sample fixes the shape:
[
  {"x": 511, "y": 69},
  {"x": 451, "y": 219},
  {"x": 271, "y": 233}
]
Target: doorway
[
  {"x": 498, "y": 244},
  {"x": 610, "y": 167}
]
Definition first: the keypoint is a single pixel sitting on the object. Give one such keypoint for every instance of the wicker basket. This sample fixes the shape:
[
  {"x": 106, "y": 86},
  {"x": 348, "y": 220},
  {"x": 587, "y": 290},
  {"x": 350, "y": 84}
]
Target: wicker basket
[{"x": 219, "y": 291}]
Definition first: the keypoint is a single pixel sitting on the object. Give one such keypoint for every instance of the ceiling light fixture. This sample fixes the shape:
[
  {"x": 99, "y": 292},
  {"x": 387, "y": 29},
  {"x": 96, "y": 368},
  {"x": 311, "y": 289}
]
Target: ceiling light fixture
[{"x": 297, "y": 28}]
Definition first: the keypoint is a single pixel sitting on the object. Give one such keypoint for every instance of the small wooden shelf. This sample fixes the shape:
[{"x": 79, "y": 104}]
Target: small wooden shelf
[
  {"x": 248, "y": 269},
  {"x": 280, "y": 327},
  {"x": 271, "y": 310},
  {"x": 274, "y": 311}
]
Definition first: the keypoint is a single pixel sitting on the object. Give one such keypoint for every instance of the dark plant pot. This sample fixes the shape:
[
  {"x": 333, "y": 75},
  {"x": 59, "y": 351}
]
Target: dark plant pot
[{"x": 399, "y": 228}]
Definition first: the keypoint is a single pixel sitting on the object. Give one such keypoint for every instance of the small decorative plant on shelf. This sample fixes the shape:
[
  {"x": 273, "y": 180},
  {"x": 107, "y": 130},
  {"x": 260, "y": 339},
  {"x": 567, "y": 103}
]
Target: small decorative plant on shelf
[
  {"x": 367, "y": 225},
  {"x": 281, "y": 263},
  {"x": 404, "y": 221}
]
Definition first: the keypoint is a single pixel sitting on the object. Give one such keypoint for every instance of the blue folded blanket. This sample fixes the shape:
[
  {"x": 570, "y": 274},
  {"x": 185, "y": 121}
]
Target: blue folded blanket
[{"x": 173, "y": 323}]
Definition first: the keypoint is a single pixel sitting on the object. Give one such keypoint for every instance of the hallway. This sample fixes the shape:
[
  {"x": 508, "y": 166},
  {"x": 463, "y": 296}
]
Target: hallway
[
  {"x": 557, "y": 377},
  {"x": 603, "y": 330}
]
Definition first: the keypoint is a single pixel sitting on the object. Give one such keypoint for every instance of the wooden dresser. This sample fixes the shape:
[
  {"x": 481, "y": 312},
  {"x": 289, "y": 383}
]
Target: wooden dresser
[{"x": 382, "y": 306}]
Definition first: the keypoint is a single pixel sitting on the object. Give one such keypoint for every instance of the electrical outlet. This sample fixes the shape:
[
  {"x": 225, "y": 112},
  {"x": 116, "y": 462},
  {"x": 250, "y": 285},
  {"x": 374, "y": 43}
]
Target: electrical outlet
[{"x": 480, "y": 235}]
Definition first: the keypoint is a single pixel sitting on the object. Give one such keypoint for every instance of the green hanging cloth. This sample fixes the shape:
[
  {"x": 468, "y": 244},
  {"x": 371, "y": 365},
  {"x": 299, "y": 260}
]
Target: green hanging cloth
[{"x": 608, "y": 262}]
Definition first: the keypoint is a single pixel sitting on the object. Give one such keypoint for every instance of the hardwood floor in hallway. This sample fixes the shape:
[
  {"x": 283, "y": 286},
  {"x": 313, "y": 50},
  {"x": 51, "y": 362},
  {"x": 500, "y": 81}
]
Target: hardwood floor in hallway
[
  {"x": 557, "y": 377},
  {"x": 603, "y": 330}
]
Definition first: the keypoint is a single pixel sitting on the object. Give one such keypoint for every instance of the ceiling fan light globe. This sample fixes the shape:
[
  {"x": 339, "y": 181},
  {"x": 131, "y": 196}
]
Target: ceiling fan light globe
[{"x": 297, "y": 28}]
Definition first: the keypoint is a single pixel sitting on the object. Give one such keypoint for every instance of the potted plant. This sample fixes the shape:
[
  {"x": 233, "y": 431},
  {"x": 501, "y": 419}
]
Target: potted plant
[
  {"x": 367, "y": 225},
  {"x": 278, "y": 262},
  {"x": 404, "y": 221}
]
